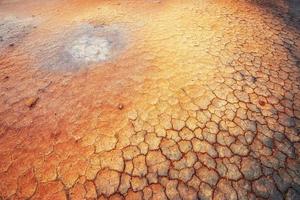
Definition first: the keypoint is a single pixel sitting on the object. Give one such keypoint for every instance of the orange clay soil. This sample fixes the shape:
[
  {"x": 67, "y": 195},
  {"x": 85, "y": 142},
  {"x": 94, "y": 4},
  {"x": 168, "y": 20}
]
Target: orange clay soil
[{"x": 170, "y": 99}]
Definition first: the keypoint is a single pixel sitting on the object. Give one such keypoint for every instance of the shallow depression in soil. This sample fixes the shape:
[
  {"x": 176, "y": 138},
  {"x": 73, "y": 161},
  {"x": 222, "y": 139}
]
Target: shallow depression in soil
[
  {"x": 90, "y": 49},
  {"x": 80, "y": 46},
  {"x": 13, "y": 29}
]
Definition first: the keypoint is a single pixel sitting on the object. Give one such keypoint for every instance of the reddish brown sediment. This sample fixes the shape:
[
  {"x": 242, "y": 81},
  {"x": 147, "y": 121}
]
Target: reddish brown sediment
[{"x": 192, "y": 100}]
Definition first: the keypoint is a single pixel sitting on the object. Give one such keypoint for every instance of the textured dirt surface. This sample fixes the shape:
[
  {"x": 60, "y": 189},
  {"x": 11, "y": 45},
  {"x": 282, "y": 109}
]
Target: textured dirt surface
[{"x": 175, "y": 99}]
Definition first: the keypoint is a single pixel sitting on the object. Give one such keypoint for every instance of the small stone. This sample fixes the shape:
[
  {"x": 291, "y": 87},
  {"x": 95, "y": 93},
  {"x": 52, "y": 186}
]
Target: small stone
[
  {"x": 120, "y": 106},
  {"x": 31, "y": 102}
]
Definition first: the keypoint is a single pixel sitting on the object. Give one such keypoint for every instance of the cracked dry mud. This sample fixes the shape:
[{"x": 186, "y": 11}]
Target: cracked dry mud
[{"x": 201, "y": 100}]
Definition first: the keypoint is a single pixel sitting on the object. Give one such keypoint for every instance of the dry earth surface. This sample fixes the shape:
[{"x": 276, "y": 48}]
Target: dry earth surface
[{"x": 149, "y": 99}]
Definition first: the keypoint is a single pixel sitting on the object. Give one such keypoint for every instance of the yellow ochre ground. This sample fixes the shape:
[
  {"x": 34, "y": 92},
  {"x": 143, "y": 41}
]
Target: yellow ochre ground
[{"x": 149, "y": 99}]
